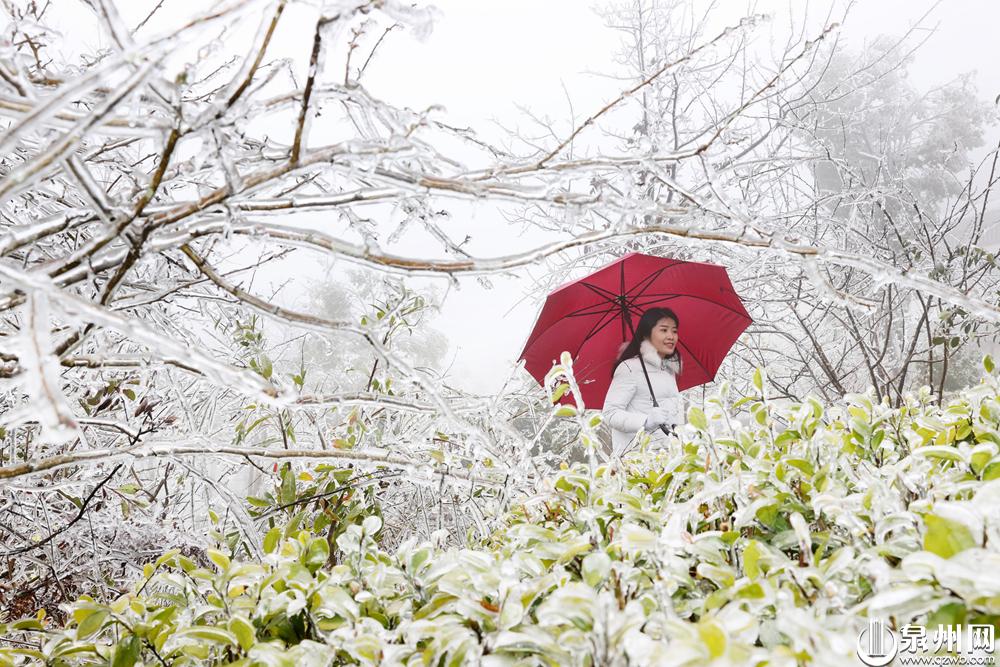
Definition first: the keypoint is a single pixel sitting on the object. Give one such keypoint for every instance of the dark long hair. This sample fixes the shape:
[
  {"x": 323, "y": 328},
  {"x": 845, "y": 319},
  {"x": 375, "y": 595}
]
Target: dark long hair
[{"x": 642, "y": 331}]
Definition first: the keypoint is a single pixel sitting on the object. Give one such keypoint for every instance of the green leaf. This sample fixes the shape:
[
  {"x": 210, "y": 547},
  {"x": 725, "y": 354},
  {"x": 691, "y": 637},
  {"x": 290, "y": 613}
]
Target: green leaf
[
  {"x": 713, "y": 636},
  {"x": 166, "y": 557},
  {"x": 318, "y": 553},
  {"x": 126, "y": 652},
  {"x": 244, "y": 632},
  {"x": 992, "y": 471},
  {"x": 696, "y": 417},
  {"x": 981, "y": 455},
  {"x": 787, "y": 436},
  {"x": 220, "y": 559},
  {"x": 91, "y": 623},
  {"x": 758, "y": 379},
  {"x": 596, "y": 567},
  {"x": 988, "y": 363},
  {"x": 751, "y": 559},
  {"x": 208, "y": 633},
  {"x": 941, "y": 452},
  {"x": 723, "y": 577},
  {"x": 805, "y": 466},
  {"x": 287, "y": 491},
  {"x": 945, "y": 537},
  {"x": 271, "y": 540},
  {"x": 752, "y": 591},
  {"x": 28, "y": 624}
]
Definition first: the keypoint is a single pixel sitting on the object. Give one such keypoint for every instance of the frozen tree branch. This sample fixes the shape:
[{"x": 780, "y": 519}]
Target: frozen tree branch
[{"x": 413, "y": 467}]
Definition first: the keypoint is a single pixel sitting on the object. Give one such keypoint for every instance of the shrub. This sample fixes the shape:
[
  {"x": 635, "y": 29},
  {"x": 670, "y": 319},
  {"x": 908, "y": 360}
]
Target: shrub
[{"x": 767, "y": 531}]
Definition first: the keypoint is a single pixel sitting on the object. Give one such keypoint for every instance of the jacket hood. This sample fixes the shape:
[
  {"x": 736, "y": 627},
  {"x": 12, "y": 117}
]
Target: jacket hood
[{"x": 652, "y": 357}]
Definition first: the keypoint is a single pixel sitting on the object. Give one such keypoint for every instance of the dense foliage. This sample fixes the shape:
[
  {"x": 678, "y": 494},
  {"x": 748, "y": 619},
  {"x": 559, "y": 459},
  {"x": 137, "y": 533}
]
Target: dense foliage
[{"x": 764, "y": 534}]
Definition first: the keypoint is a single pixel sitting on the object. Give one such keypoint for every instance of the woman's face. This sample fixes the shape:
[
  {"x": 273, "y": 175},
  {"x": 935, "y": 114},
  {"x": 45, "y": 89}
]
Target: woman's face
[{"x": 664, "y": 336}]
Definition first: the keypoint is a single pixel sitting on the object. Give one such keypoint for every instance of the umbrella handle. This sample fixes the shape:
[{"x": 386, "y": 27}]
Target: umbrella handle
[{"x": 642, "y": 362}]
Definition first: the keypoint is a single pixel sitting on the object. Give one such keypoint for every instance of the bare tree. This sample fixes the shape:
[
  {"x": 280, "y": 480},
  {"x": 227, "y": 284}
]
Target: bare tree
[{"x": 891, "y": 178}]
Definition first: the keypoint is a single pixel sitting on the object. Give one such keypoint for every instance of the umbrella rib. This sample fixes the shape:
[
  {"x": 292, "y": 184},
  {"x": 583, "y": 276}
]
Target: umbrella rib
[
  {"x": 645, "y": 282},
  {"x": 656, "y": 299},
  {"x": 601, "y": 291},
  {"x": 591, "y": 313},
  {"x": 648, "y": 280},
  {"x": 700, "y": 365},
  {"x": 614, "y": 304},
  {"x": 593, "y": 331},
  {"x": 610, "y": 303},
  {"x": 630, "y": 306},
  {"x": 584, "y": 311},
  {"x": 627, "y": 309},
  {"x": 673, "y": 295}
]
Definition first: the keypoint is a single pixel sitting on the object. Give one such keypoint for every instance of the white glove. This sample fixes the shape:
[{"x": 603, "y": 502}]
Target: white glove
[{"x": 658, "y": 417}]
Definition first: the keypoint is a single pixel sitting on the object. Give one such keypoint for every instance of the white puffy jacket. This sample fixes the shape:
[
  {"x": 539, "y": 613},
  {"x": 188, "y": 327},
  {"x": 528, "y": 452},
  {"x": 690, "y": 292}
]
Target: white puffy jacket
[{"x": 628, "y": 403}]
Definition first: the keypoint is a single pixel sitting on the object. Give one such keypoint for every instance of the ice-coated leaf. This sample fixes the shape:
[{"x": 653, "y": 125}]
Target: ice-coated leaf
[{"x": 946, "y": 537}]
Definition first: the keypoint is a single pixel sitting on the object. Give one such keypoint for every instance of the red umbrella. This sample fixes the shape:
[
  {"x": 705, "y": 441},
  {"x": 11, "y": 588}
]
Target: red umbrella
[{"x": 593, "y": 316}]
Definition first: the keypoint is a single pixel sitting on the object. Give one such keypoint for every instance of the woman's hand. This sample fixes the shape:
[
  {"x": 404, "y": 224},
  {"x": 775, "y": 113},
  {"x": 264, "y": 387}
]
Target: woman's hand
[{"x": 658, "y": 417}]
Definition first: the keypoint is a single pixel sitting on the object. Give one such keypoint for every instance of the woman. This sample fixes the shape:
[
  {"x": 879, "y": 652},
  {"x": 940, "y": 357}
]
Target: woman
[{"x": 628, "y": 407}]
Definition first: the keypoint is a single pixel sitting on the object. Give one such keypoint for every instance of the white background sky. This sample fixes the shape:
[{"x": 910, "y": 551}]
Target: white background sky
[{"x": 485, "y": 57}]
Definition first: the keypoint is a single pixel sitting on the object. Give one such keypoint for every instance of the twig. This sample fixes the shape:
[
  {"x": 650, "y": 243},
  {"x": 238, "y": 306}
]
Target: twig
[{"x": 79, "y": 515}]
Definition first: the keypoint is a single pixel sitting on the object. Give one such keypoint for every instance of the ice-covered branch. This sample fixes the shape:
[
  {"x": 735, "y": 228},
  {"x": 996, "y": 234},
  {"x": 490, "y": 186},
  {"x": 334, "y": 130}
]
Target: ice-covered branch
[{"x": 421, "y": 468}]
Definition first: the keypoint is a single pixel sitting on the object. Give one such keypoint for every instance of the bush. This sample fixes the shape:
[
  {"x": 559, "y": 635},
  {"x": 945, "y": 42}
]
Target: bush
[{"x": 767, "y": 532}]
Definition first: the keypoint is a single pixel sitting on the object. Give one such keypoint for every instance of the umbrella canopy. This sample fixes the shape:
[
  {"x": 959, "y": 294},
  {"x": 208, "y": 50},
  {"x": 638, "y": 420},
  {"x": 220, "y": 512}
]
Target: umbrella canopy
[{"x": 593, "y": 316}]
